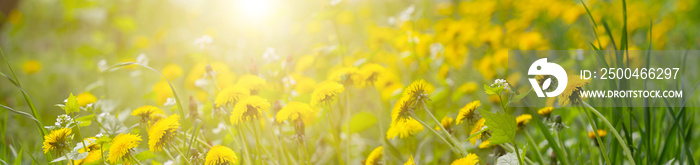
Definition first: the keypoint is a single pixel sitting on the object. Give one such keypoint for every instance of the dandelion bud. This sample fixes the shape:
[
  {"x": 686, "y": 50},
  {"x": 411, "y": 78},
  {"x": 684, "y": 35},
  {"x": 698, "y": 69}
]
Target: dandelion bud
[
  {"x": 193, "y": 108},
  {"x": 210, "y": 71},
  {"x": 557, "y": 119}
]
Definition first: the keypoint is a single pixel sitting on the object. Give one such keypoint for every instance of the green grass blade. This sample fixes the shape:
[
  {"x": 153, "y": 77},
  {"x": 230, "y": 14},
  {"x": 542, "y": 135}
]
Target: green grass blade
[
  {"x": 647, "y": 110},
  {"x": 29, "y": 101},
  {"x": 177, "y": 99},
  {"x": 558, "y": 152},
  {"x": 23, "y": 114}
]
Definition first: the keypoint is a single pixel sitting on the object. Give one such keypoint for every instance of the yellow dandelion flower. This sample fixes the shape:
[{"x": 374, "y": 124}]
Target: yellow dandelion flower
[
  {"x": 445, "y": 122},
  {"x": 31, "y": 66},
  {"x": 249, "y": 108},
  {"x": 546, "y": 111},
  {"x": 86, "y": 98},
  {"x": 162, "y": 92},
  {"x": 230, "y": 95},
  {"x": 325, "y": 92},
  {"x": 220, "y": 155},
  {"x": 347, "y": 76},
  {"x": 418, "y": 91},
  {"x": 470, "y": 159},
  {"x": 375, "y": 157},
  {"x": 57, "y": 140},
  {"x": 251, "y": 82},
  {"x": 345, "y": 17},
  {"x": 523, "y": 119},
  {"x": 402, "y": 124},
  {"x": 172, "y": 71},
  {"x": 601, "y": 133},
  {"x": 371, "y": 72},
  {"x": 224, "y": 76},
  {"x": 93, "y": 150},
  {"x": 294, "y": 111},
  {"x": 122, "y": 145},
  {"x": 485, "y": 144},
  {"x": 304, "y": 85},
  {"x": 469, "y": 87},
  {"x": 477, "y": 127},
  {"x": 404, "y": 128},
  {"x": 162, "y": 132},
  {"x": 468, "y": 112},
  {"x": 573, "y": 88},
  {"x": 410, "y": 161},
  {"x": 146, "y": 112}
]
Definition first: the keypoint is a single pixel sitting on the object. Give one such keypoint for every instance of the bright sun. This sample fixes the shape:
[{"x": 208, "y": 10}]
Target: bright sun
[{"x": 255, "y": 10}]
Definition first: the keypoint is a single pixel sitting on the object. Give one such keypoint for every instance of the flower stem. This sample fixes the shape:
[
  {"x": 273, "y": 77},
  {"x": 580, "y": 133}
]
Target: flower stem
[
  {"x": 335, "y": 135},
  {"x": 245, "y": 144},
  {"x": 449, "y": 136},
  {"x": 517, "y": 153},
  {"x": 183, "y": 155},
  {"x": 134, "y": 159},
  {"x": 413, "y": 115},
  {"x": 534, "y": 146},
  {"x": 601, "y": 146},
  {"x": 614, "y": 131}
]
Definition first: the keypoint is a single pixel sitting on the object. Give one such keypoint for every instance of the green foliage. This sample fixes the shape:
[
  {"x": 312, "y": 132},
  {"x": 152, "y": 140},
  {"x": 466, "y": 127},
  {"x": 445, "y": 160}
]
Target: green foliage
[
  {"x": 71, "y": 105},
  {"x": 493, "y": 90},
  {"x": 503, "y": 126}
]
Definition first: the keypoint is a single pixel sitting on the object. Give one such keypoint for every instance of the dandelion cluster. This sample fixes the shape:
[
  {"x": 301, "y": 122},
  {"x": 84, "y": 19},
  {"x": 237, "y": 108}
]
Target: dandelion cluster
[{"x": 343, "y": 82}]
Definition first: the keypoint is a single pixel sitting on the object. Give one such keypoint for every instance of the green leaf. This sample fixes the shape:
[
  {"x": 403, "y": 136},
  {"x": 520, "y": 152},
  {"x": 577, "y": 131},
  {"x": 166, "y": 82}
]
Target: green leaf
[
  {"x": 71, "y": 104},
  {"x": 507, "y": 159},
  {"x": 361, "y": 121},
  {"x": 145, "y": 155},
  {"x": 18, "y": 159},
  {"x": 521, "y": 96},
  {"x": 493, "y": 91},
  {"x": 502, "y": 126},
  {"x": 85, "y": 120},
  {"x": 89, "y": 51}
]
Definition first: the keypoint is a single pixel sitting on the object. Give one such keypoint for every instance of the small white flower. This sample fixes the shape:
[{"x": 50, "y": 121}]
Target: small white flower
[
  {"x": 288, "y": 81},
  {"x": 142, "y": 59},
  {"x": 219, "y": 128},
  {"x": 406, "y": 14},
  {"x": 201, "y": 83},
  {"x": 102, "y": 65},
  {"x": 99, "y": 135},
  {"x": 203, "y": 41},
  {"x": 170, "y": 102},
  {"x": 335, "y": 2},
  {"x": 435, "y": 49},
  {"x": 270, "y": 54}
]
